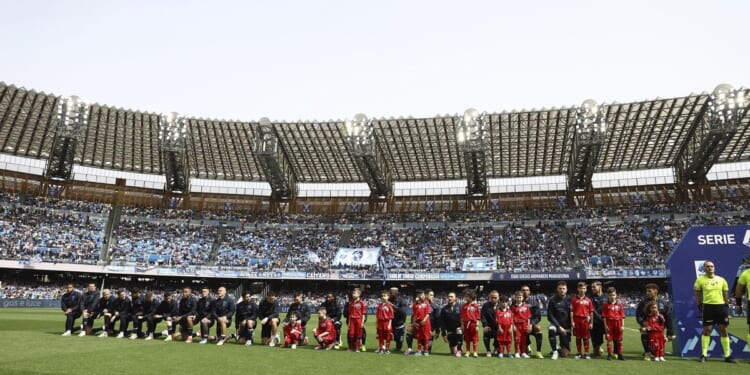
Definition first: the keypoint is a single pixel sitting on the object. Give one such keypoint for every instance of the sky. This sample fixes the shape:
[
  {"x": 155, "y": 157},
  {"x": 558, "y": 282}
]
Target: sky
[{"x": 320, "y": 60}]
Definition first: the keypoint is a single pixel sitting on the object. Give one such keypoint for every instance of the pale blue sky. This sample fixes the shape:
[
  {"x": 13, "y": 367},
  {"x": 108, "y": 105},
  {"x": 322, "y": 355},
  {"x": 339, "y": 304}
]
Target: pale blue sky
[{"x": 298, "y": 60}]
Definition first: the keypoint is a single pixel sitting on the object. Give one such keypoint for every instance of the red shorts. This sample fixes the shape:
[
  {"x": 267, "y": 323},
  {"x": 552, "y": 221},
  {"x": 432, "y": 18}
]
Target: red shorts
[
  {"x": 292, "y": 338},
  {"x": 581, "y": 330},
  {"x": 383, "y": 331},
  {"x": 382, "y": 325},
  {"x": 520, "y": 331},
  {"x": 470, "y": 331},
  {"x": 423, "y": 332},
  {"x": 615, "y": 329},
  {"x": 355, "y": 328},
  {"x": 521, "y": 327},
  {"x": 505, "y": 337}
]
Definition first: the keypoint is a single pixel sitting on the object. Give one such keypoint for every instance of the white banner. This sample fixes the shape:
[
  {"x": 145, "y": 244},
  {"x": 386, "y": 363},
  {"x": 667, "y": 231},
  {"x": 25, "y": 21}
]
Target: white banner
[
  {"x": 479, "y": 264},
  {"x": 365, "y": 256}
]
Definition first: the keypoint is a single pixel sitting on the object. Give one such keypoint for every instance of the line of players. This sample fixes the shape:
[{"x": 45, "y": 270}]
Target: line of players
[{"x": 504, "y": 321}]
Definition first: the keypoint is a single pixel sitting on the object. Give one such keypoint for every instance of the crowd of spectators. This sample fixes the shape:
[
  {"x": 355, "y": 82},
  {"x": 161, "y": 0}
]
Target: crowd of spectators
[
  {"x": 168, "y": 243},
  {"x": 643, "y": 243},
  {"x": 30, "y": 233},
  {"x": 34, "y": 229}
]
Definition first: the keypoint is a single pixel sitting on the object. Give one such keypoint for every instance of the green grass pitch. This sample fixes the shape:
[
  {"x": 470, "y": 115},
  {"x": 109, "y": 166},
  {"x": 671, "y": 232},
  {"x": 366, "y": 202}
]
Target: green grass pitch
[{"x": 31, "y": 344}]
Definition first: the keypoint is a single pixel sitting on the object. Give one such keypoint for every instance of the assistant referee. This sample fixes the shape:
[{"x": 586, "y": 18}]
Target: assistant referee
[{"x": 712, "y": 296}]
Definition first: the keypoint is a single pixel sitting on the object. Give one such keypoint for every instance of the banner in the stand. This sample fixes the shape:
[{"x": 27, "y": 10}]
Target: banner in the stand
[{"x": 361, "y": 256}]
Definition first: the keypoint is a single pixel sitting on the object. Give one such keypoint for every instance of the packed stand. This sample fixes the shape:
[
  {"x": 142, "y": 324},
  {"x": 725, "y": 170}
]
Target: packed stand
[
  {"x": 177, "y": 244},
  {"x": 32, "y": 234}
]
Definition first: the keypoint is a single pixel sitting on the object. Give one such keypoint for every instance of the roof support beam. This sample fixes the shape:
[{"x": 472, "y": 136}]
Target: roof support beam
[
  {"x": 276, "y": 169},
  {"x": 716, "y": 125},
  {"x": 471, "y": 132},
  {"x": 590, "y": 132},
  {"x": 172, "y": 135},
  {"x": 370, "y": 163},
  {"x": 72, "y": 119}
]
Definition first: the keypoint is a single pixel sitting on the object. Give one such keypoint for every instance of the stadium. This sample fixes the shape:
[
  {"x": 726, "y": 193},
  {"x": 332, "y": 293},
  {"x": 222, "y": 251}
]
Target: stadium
[{"x": 478, "y": 200}]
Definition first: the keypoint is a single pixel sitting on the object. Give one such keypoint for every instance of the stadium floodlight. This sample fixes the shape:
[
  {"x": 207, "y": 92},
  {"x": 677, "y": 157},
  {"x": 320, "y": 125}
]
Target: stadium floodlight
[
  {"x": 471, "y": 130},
  {"x": 725, "y": 107},
  {"x": 72, "y": 114},
  {"x": 591, "y": 123},
  {"x": 359, "y": 131},
  {"x": 172, "y": 131}
]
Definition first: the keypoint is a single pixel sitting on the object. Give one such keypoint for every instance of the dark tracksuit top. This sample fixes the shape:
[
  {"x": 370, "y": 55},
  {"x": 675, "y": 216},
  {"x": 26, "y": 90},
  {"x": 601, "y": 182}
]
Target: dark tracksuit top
[
  {"x": 245, "y": 311},
  {"x": 487, "y": 313},
  {"x": 450, "y": 318},
  {"x": 90, "y": 302},
  {"x": 204, "y": 307},
  {"x": 72, "y": 301},
  {"x": 268, "y": 310},
  {"x": 333, "y": 309},
  {"x": 558, "y": 311},
  {"x": 223, "y": 307}
]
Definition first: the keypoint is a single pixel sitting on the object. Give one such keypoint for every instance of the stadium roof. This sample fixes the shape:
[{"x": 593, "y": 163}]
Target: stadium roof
[{"x": 640, "y": 135}]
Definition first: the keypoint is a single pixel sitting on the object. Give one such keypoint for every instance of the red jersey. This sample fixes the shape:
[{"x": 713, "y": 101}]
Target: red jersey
[
  {"x": 521, "y": 313},
  {"x": 420, "y": 310},
  {"x": 504, "y": 318},
  {"x": 357, "y": 309},
  {"x": 581, "y": 306},
  {"x": 470, "y": 312},
  {"x": 289, "y": 327},
  {"x": 613, "y": 311},
  {"x": 655, "y": 323},
  {"x": 385, "y": 312},
  {"x": 326, "y": 326}
]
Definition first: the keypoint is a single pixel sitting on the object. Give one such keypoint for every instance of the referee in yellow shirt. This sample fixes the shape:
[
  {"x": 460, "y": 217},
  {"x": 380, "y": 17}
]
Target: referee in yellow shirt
[
  {"x": 743, "y": 285},
  {"x": 712, "y": 296}
]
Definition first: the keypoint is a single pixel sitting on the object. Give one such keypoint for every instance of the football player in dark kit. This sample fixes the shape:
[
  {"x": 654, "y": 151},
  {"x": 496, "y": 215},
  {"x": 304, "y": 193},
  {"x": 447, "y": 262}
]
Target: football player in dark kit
[
  {"x": 641, "y": 315},
  {"x": 268, "y": 313},
  {"x": 450, "y": 324},
  {"x": 489, "y": 323},
  {"x": 121, "y": 309},
  {"x": 138, "y": 311},
  {"x": 558, "y": 314},
  {"x": 333, "y": 312},
  {"x": 598, "y": 297},
  {"x": 204, "y": 317},
  {"x": 70, "y": 303},
  {"x": 245, "y": 319},
  {"x": 164, "y": 311},
  {"x": 89, "y": 309},
  {"x": 434, "y": 316},
  {"x": 535, "y": 305},
  {"x": 400, "y": 311},
  {"x": 221, "y": 313},
  {"x": 187, "y": 311},
  {"x": 106, "y": 304},
  {"x": 303, "y": 314}
]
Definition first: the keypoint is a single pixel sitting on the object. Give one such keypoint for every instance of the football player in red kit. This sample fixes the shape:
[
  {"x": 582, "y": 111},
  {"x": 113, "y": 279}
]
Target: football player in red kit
[
  {"x": 356, "y": 312},
  {"x": 504, "y": 318},
  {"x": 470, "y": 314},
  {"x": 521, "y": 325},
  {"x": 655, "y": 326},
  {"x": 582, "y": 318},
  {"x": 292, "y": 331},
  {"x": 422, "y": 328},
  {"x": 384, "y": 328},
  {"x": 614, "y": 316}
]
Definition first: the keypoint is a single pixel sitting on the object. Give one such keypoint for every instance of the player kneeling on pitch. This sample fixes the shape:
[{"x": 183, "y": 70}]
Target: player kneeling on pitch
[
  {"x": 245, "y": 319},
  {"x": 325, "y": 333},
  {"x": 292, "y": 331}
]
